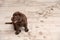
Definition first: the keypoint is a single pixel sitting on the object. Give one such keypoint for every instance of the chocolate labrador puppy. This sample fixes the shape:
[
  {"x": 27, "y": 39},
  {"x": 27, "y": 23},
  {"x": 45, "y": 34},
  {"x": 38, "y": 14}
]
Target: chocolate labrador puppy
[{"x": 18, "y": 20}]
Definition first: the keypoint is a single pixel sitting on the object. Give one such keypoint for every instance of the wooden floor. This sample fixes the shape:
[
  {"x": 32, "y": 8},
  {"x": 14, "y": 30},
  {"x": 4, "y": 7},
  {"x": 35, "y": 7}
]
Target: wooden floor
[{"x": 43, "y": 20}]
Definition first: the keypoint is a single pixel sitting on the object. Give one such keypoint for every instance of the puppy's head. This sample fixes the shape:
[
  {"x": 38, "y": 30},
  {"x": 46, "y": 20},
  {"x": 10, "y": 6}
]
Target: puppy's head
[{"x": 16, "y": 17}]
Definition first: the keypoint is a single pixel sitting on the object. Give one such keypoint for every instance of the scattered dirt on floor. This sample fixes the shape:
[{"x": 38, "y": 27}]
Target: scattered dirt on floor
[{"x": 47, "y": 12}]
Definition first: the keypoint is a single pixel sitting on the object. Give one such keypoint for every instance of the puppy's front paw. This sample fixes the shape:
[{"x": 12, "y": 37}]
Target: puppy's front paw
[
  {"x": 17, "y": 33},
  {"x": 26, "y": 30}
]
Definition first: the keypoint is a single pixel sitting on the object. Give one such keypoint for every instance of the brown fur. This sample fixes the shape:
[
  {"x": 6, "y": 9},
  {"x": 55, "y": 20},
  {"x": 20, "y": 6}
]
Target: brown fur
[{"x": 19, "y": 20}]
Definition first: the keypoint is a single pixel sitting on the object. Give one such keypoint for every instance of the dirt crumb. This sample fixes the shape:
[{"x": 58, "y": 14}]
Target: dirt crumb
[
  {"x": 44, "y": 36},
  {"x": 18, "y": 36},
  {"x": 51, "y": 8},
  {"x": 29, "y": 33},
  {"x": 37, "y": 27},
  {"x": 40, "y": 33},
  {"x": 40, "y": 13},
  {"x": 41, "y": 21}
]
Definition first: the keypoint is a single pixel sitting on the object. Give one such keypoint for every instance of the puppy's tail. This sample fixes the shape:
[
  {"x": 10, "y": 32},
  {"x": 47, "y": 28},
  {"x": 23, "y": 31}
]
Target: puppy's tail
[{"x": 8, "y": 23}]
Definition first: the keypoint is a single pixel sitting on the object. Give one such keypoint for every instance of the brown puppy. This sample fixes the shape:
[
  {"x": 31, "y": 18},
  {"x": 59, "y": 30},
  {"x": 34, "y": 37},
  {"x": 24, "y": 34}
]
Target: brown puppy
[{"x": 18, "y": 20}]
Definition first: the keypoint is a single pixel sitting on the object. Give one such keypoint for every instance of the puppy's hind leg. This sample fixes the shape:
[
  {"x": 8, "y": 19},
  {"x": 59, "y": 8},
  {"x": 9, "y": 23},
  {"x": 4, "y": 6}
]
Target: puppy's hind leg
[{"x": 26, "y": 29}]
